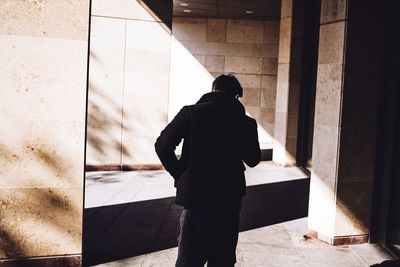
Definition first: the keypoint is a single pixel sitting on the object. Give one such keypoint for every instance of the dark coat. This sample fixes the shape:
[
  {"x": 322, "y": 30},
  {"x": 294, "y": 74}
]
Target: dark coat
[{"x": 218, "y": 137}]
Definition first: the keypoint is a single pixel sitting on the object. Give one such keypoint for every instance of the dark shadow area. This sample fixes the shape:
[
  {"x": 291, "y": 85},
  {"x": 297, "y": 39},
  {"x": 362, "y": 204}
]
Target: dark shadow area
[
  {"x": 131, "y": 229},
  {"x": 388, "y": 263}
]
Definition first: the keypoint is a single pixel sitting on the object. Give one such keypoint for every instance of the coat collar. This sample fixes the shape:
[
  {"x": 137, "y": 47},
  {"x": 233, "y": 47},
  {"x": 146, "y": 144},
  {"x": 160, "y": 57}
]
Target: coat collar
[{"x": 222, "y": 98}]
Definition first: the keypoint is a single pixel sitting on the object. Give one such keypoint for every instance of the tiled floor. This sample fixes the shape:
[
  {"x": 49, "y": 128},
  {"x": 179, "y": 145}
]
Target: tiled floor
[{"x": 130, "y": 221}]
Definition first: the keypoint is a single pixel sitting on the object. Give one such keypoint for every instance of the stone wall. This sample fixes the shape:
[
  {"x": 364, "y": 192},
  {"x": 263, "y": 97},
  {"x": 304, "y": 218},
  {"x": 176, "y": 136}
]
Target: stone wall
[
  {"x": 43, "y": 73},
  {"x": 129, "y": 80},
  {"x": 248, "y": 48}
]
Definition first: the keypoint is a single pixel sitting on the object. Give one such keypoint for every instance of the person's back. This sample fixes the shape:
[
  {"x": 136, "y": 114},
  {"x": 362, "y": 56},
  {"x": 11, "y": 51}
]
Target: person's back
[{"x": 209, "y": 176}]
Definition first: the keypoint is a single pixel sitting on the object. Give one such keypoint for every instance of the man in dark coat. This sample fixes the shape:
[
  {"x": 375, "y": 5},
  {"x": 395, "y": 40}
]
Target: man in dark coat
[{"x": 209, "y": 176}]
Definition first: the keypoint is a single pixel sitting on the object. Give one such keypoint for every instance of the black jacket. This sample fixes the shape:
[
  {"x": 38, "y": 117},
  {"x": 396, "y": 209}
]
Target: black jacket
[{"x": 218, "y": 137}]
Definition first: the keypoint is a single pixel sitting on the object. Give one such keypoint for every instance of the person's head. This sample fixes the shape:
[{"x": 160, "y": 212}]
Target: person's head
[{"x": 228, "y": 84}]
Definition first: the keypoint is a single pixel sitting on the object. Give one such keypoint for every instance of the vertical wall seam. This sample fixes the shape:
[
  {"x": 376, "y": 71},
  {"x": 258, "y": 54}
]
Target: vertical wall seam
[{"x": 123, "y": 97}]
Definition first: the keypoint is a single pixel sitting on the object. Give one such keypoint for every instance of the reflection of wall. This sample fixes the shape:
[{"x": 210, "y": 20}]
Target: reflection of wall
[
  {"x": 43, "y": 60},
  {"x": 248, "y": 48},
  {"x": 129, "y": 76}
]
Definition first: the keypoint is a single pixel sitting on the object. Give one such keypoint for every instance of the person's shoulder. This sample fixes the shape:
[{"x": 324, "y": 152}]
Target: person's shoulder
[{"x": 250, "y": 121}]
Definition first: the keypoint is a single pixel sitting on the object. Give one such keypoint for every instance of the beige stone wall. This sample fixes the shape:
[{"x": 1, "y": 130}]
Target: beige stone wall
[
  {"x": 43, "y": 63},
  {"x": 129, "y": 80},
  {"x": 247, "y": 48}
]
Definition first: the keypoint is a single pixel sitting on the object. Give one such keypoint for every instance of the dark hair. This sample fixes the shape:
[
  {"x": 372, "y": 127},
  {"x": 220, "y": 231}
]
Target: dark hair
[{"x": 228, "y": 84}]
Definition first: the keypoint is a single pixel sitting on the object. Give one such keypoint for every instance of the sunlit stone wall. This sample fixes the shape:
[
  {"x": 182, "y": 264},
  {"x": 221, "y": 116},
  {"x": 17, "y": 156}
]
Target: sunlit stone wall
[
  {"x": 43, "y": 74},
  {"x": 129, "y": 79},
  {"x": 206, "y": 48}
]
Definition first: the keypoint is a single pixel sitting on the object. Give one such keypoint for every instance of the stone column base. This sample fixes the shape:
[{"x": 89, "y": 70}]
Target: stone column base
[
  {"x": 339, "y": 240},
  {"x": 64, "y": 261}
]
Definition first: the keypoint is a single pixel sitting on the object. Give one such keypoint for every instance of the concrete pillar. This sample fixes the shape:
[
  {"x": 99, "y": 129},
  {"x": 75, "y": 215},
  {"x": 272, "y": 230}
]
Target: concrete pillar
[
  {"x": 346, "y": 109},
  {"x": 288, "y": 85},
  {"x": 43, "y": 74}
]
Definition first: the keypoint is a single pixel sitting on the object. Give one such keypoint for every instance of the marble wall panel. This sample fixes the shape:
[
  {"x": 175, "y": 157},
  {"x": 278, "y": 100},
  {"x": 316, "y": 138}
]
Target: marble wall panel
[
  {"x": 42, "y": 78},
  {"x": 333, "y": 10},
  {"x": 247, "y": 65},
  {"x": 249, "y": 80},
  {"x": 268, "y": 91},
  {"x": 190, "y": 29},
  {"x": 271, "y": 32},
  {"x": 251, "y": 97},
  {"x": 286, "y": 8},
  {"x": 245, "y": 31},
  {"x": 331, "y": 43},
  {"x": 328, "y": 94},
  {"x": 41, "y": 221},
  {"x": 321, "y": 209},
  {"x": 353, "y": 208},
  {"x": 41, "y": 153},
  {"x": 282, "y": 89},
  {"x": 216, "y": 30},
  {"x": 106, "y": 79},
  {"x": 357, "y": 154},
  {"x": 47, "y": 19},
  {"x": 215, "y": 63},
  {"x": 122, "y": 9},
  {"x": 325, "y": 152},
  {"x": 269, "y": 66},
  {"x": 285, "y": 40}
]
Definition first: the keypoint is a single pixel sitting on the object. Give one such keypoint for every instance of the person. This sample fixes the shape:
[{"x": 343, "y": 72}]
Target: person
[{"x": 209, "y": 176}]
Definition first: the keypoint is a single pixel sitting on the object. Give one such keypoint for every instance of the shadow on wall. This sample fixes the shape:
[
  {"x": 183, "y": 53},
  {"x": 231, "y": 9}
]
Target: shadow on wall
[
  {"x": 104, "y": 126},
  {"x": 37, "y": 220}
]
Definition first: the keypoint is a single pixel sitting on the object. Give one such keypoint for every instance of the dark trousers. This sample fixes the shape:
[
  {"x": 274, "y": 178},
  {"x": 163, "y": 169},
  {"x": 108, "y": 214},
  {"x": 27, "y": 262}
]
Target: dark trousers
[{"x": 207, "y": 237}]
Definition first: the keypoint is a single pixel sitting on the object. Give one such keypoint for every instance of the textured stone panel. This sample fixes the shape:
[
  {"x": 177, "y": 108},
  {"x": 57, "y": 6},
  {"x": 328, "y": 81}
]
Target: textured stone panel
[
  {"x": 245, "y": 31},
  {"x": 106, "y": 79},
  {"x": 42, "y": 78},
  {"x": 271, "y": 32},
  {"x": 270, "y": 66},
  {"x": 268, "y": 98},
  {"x": 282, "y": 89},
  {"x": 325, "y": 152},
  {"x": 357, "y": 154},
  {"x": 333, "y": 10},
  {"x": 145, "y": 113},
  {"x": 122, "y": 9},
  {"x": 41, "y": 221},
  {"x": 205, "y": 48},
  {"x": 153, "y": 36},
  {"x": 281, "y": 127},
  {"x": 268, "y": 91},
  {"x": 215, "y": 63},
  {"x": 331, "y": 43},
  {"x": 249, "y": 80},
  {"x": 267, "y": 119},
  {"x": 270, "y": 51},
  {"x": 243, "y": 65},
  {"x": 41, "y": 153},
  {"x": 321, "y": 215},
  {"x": 251, "y": 97},
  {"x": 353, "y": 208},
  {"x": 328, "y": 94},
  {"x": 286, "y": 8},
  {"x": 107, "y": 32},
  {"x": 53, "y": 19},
  {"x": 201, "y": 59},
  {"x": 216, "y": 30},
  {"x": 285, "y": 40},
  {"x": 190, "y": 29}
]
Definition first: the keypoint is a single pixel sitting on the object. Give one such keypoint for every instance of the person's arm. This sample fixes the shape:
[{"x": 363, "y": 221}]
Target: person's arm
[
  {"x": 251, "y": 148},
  {"x": 169, "y": 139}
]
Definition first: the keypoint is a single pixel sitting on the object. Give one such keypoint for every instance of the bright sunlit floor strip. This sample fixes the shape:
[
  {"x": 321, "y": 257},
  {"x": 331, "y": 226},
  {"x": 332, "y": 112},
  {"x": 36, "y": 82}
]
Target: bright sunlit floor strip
[
  {"x": 276, "y": 245},
  {"x": 110, "y": 188}
]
